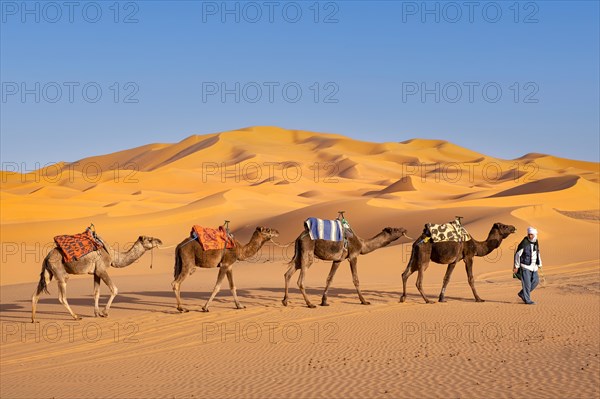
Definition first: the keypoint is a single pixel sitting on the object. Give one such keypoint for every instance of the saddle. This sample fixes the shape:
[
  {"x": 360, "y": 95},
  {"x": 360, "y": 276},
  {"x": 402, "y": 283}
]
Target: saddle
[
  {"x": 211, "y": 238},
  {"x": 320, "y": 229},
  {"x": 74, "y": 247},
  {"x": 451, "y": 231}
]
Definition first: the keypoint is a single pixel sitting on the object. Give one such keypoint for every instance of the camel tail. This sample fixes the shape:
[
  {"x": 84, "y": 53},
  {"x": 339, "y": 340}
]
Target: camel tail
[
  {"x": 413, "y": 255},
  {"x": 45, "y": 278},
  {"x": 296, "y": 258},
  {"x": 178, "y": 264}
]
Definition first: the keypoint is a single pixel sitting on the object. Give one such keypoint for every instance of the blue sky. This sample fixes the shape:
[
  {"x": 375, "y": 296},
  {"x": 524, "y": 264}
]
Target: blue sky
[{"x": 501, "y": 78}]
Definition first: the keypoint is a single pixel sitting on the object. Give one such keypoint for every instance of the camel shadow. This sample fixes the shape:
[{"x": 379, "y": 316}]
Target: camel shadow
[
  {"x": 418, "y": 298},
  {"x": 139, "y": 301},
  {"x": 274, "y": 295},
  {"x": 9, "y": 307},
  {"x": 271, "y": 296},
  {"x": 190, "y": 298},
  {"x": 85, "y": 306},
  {"x": 13, "y": 310},
  {"x": 461, "y": 299},
  {"x": 170, "y": 294},
  {"x": 164, "y": 301},
  {"x": 260, "y": 297}
]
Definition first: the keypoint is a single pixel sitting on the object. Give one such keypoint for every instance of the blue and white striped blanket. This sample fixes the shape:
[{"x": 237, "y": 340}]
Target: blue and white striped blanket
[{"x": 319, "y": 229}]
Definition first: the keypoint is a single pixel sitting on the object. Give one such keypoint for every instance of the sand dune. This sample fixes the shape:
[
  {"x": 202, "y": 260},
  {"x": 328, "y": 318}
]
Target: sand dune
[
  {"x": 592, "y": 215},
  {"x": 541, "y": 186},
  {"x": 269, "y": 176},
  {"x": 310, "y": 194},
  {"x": 404, "y": 184},
  {"x": 254, "y": 175},
  {"x": 553, "y": 162}
]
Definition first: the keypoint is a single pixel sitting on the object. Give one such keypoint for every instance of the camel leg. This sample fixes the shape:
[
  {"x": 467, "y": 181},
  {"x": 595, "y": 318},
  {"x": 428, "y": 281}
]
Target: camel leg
[
  {"x": 36, "y": 296},
  {"x": 419, "y": 252},
  {"x": 217, "y": 288},
  {"x": 42, "y": 287},
  {"x": 113, "y": 292},
  {"x": 176, "y": 284},
  {"x": 288, "y": 275},
  {"x": 301, "y": 286},
  {"x": 334, "y": 267},
  {"x": 96, "y": 295},
  {"x": 420, "y": 284},
  {"x": 34, "y": 301},
  {"x": 407, "y": 273},
  {"x": 177, "y": 288},
  {"x": 449, "y": 271},
  {"x": 233, "y": 289},
  {"x": 469, "y": 268},
  {"x": 62, "y": 297},
  {"x": 353, "y": 263},
  {"x": 187, "y": 269}
]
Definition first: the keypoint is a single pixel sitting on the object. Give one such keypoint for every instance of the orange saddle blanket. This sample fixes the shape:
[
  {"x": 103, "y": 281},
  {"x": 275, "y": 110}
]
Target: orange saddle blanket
[
  {"x": 76, "y": 246},
  {"x": 212, "y": 238}
]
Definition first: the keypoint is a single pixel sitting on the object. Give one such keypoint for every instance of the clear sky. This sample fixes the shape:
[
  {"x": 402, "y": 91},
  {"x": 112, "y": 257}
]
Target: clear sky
[{"x": 503, "y": 78}]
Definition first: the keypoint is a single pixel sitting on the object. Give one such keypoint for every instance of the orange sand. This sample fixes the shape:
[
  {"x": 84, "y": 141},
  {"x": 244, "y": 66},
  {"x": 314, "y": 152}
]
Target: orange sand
[{"x": 276, "y": 178}]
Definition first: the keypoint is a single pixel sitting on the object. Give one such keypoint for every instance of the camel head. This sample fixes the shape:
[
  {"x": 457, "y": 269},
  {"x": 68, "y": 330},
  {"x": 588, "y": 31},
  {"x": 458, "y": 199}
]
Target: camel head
[
  {"x": 149, "y": 242},
  {"x": 394, "y": 232},
  {"x": 504, "y": 229},
  {"x": 267, "y": 233}
]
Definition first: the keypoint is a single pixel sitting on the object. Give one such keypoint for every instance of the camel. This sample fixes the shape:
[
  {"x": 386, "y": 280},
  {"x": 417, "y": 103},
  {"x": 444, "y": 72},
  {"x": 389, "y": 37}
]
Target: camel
[
  {"x": 189, "y": 254},
  {"x": 96, "y": 263},
  {"x": 449, "y": 253},
  {"x": 306, "y": 249}
]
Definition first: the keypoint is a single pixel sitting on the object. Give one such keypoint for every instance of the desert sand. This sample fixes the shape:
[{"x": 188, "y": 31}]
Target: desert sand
[{"x": 268, "y": 176}]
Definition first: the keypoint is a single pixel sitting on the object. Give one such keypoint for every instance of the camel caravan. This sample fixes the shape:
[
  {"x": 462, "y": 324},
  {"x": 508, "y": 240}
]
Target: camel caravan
[{"x": 329, "y": 240}]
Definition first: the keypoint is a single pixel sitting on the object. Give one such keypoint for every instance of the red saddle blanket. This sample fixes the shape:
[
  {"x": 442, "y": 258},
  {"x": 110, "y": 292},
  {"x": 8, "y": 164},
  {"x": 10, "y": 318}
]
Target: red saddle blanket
[
  {"x": 212, "y": 238},
  {"x": 76, "y": 246}
]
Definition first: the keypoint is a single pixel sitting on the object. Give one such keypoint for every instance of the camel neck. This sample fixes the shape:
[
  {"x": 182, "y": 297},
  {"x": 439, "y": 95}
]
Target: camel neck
[
  {"x": 492, "y": 242},
  {"x": 123, "y": 259},
  {"x": 380, "y": 240},
  {"x": 251, "y": 248}
]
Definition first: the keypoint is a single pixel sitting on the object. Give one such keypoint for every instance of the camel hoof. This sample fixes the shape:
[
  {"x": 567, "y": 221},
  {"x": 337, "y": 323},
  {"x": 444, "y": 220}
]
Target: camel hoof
[
  {"x": 205, "y": 309},
  {"x": 429, "y": 302},
  {"x": 479, "y": 300},
  {"x": 324, "y": 303},
  {"x": 402, "y": 299},
  {"x": 442, "y": 299},
  {"x": 240, "y": 307},
  {"x": 366, "y": 303},
  {"x": 77, "y": 317},
  {"x": 310, "y": 305},
  {"x": 182, "y": 310},
  {"x": 284, "y": 302}
]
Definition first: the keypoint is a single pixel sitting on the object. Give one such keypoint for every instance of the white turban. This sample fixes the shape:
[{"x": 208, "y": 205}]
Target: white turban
[{"x": 532, "y": 230}]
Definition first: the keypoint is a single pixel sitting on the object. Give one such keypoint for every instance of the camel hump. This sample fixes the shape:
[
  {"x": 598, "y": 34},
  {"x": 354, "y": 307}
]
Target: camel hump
[{"x": 321, "y": 229}]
